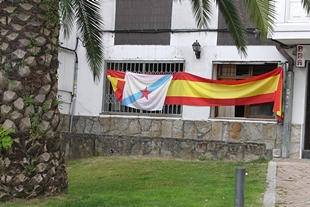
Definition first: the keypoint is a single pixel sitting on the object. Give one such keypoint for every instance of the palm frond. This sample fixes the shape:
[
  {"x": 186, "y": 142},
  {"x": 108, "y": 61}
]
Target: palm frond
[
  {"x": 67, "y": 16},
  {"x": 234, "y": 23},
  {"x": 262, "y": 15},
  {"x": 202, "y": 12},
  {"x": 306, "y": 5},
  {"x": 89, "y": 24}
]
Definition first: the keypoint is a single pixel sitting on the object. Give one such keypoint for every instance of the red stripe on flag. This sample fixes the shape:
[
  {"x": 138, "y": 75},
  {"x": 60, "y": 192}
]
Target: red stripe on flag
[
  {"x": 191, "y": 101},
  {"x": 119, "y": 91},
  {"x": 191, "y": 77},
  {"x": 116, "y": 74},
  {"x": 277, "y": 107}
]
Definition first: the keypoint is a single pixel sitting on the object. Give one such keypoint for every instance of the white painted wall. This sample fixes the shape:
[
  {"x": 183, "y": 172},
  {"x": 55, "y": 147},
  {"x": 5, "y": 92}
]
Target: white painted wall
[
  {"x": 65, "y": 80},
  {"x": 299, "y": 95},
  {"x": 89, "y": 94},
  {"x": 300, "y": 87},
  {"x": 292, "y": 23},
  {"x": 290, "y": 11},
  {"x": 66, "y": 72}
]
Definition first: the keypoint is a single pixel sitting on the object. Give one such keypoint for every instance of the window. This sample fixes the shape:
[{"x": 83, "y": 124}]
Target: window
[
  {"x": 239, "y": 72},
  {"x": 137, "y": 20},
  {"x": 111, "y": 105}
]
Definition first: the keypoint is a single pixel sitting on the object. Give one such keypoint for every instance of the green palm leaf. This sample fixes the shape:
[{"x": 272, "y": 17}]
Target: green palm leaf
[
  {"x": 89, "y": 22},
  {"x": 262, "y": 15},
  {"x": 67, "y": 16},
  {"x": 234, "y": 23},
  {"x": 201, "y": 11},
  {"x": 306, "y": 5}
]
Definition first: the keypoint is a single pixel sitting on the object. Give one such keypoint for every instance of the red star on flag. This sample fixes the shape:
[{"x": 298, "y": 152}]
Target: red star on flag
[{"x": 145, "y": 93}]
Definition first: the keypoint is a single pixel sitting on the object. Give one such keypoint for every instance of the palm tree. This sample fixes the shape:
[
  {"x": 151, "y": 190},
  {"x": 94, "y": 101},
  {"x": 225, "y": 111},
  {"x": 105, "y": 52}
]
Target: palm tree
[
  {"x": 29, "y": 33},
  {"x": 28, "y": 89}
]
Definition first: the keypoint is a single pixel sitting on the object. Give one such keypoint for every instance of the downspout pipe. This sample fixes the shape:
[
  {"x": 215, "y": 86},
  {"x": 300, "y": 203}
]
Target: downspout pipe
[
  {"x": 73, "y": 100},
  {"x": 289, "y": 59},
  {"x": 287, "y": 104}
]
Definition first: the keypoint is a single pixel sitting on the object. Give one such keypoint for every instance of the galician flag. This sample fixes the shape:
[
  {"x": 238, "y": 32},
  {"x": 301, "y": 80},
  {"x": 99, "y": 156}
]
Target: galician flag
[{"x": 144, "y": 91}]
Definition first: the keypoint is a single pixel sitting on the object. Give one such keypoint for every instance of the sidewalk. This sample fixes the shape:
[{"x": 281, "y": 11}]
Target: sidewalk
[{"x": 288, "y": 183}]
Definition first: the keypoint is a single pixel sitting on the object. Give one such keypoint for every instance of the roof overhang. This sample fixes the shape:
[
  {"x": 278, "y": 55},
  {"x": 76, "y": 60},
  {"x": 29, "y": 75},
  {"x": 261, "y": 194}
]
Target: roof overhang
[{"x": 292, "y": 33}]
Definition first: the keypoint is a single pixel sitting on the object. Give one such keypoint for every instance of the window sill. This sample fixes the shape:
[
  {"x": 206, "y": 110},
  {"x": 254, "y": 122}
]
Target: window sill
[
  {"x": 151, "y": 116},
  {"x": 241, "y": 119}
]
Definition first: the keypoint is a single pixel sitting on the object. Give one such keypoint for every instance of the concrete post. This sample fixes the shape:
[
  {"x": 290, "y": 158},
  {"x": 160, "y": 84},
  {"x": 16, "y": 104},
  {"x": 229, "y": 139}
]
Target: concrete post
[{"x": 289, "y": 80}]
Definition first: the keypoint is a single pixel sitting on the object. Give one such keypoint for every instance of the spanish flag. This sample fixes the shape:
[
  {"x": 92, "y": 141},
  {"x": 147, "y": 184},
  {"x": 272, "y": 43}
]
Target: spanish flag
[
  {"x": 117, "y": 80},
  {"x": 192, "y": 90}
]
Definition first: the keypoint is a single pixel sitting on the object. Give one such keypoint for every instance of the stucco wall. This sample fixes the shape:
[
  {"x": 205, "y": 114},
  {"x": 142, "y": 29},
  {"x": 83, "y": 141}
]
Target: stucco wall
[{"x": 89, "y": 93}]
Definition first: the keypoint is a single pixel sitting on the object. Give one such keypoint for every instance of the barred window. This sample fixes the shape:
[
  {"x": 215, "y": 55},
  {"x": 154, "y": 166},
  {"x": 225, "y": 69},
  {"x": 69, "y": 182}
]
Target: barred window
[
  {"x": 112, "y": 106},
  {"x": 240, "y": 72}
]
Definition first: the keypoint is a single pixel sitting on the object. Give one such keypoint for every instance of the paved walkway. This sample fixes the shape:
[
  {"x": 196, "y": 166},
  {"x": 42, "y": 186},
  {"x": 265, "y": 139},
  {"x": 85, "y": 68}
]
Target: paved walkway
[{"x": 288, "y": 183}]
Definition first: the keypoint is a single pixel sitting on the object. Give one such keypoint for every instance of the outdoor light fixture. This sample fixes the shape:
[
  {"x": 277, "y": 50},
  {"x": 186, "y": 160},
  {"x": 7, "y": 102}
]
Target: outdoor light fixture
[{"x": 196, "y": 47}]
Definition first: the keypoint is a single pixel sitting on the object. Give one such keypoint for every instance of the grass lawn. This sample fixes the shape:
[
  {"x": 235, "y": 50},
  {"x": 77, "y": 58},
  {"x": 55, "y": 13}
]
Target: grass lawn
[{"x": 144, "y": 182}]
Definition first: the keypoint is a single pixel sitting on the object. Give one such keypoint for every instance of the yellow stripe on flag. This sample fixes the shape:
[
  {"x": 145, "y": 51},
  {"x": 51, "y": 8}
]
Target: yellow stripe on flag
[
  {"x": 114, "y": 81},
  {"x": 221, "y": 91}
]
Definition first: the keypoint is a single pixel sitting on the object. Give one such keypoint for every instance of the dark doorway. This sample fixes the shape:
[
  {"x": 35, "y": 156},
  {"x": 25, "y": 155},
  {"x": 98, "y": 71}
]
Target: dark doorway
[{"x": 307, "y": 131}]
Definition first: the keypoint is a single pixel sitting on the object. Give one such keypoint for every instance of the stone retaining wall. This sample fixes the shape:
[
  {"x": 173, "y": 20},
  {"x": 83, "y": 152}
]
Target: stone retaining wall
[
  {"x": 84, "y": 145},
  {"x": 175, "y": 138}
]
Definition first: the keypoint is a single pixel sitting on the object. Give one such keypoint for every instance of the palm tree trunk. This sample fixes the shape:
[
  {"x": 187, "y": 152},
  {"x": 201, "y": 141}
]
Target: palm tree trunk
[{"x": 34, "y": 164}]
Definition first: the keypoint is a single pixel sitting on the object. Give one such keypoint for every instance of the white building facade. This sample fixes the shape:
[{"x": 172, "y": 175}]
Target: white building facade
[{"x": 162, "y": 44}]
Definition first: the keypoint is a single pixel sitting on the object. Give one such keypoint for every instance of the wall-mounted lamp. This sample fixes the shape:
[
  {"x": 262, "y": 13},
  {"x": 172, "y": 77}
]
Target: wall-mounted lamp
[{"x": 196, "y": 47}]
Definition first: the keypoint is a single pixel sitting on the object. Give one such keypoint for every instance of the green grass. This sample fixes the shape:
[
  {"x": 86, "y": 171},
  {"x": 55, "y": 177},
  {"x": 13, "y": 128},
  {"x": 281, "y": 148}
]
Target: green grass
[{"x": 143, "y": 182}]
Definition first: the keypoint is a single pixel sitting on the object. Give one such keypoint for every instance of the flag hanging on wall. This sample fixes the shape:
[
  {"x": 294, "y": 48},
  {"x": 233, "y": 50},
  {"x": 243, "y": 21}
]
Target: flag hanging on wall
[
  {"x": 146, "y": 92},
  {"x": 117, "y": 80},
  {"x": 192, "y": 90}
]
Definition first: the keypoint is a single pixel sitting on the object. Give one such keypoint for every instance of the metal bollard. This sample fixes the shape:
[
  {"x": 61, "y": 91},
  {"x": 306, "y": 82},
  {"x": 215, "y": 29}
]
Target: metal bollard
[{"x": 239, "y": 187}]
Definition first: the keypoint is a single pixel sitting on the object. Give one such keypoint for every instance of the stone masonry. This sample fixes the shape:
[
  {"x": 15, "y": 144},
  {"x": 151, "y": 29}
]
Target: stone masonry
[{"x": 218, "y": 139}]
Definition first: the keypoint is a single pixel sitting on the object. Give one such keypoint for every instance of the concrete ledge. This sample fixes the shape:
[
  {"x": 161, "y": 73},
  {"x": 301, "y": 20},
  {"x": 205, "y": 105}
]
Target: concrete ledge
[{"x": 270, "y": 193}]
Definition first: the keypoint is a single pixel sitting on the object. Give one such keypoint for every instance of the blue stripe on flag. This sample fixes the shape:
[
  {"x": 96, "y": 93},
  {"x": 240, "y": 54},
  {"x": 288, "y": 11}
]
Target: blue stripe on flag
[
  {"x": 131, "y": 99},
  {"x": 136, "y": 96}
]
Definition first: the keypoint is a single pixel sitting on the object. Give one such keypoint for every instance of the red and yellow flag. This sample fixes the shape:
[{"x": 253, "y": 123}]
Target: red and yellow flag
[
  {"x": 192, "y": 90},
  {"x": 117, "y": 80}
]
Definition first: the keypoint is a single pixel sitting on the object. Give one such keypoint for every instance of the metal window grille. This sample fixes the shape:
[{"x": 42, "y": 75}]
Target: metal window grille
[{"x": 112, "y": 106}]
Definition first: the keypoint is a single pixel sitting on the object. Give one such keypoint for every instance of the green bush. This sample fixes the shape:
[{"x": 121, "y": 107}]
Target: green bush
[{"x": 6, "y": 140}]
